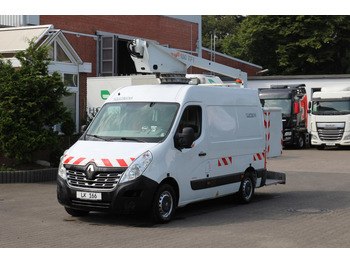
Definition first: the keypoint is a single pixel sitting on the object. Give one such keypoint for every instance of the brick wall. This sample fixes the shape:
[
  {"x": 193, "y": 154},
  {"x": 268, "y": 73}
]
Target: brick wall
[
  {"x": 174, "y": 32},
  {"x": 166, "y": 30}
]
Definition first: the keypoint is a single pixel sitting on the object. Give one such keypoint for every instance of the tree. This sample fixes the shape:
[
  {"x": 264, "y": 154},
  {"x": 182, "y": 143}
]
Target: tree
[
  {"x": 293, "y": 44},
  {"x": 221, "y": 26},
  {"x": 30, "y": 104}
]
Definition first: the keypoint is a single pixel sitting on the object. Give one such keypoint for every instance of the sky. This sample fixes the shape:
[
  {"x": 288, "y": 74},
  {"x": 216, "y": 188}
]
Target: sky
[{"x": 178, "y": 7}]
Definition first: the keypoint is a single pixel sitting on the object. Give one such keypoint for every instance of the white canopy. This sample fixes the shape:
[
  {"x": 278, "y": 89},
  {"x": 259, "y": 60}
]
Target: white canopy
[{"x": 16, "y": 39}]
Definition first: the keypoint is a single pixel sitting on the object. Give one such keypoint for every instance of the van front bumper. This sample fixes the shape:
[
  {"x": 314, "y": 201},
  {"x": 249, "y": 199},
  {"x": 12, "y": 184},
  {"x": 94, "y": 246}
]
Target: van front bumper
[{"x": 131, "y": 197}]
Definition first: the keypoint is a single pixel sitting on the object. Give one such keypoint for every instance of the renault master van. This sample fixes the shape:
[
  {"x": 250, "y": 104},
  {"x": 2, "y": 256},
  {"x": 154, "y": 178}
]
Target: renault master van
[{"x": 154, "y": 148}]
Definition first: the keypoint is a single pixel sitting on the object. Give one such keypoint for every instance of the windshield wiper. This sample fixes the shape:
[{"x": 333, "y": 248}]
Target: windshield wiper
[
  {"x": 99, "y": 137},
  {"x": 131, "y": 139},
  {"x": 116, "y": 138}
]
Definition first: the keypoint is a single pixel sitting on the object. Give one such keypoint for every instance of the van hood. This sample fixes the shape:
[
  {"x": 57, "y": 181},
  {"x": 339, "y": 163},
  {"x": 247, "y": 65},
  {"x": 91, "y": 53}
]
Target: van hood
[{"x": 105, "y": 154}]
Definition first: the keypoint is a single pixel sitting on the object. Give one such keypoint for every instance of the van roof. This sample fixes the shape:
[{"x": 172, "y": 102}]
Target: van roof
[{"x": 214, "y": 95}]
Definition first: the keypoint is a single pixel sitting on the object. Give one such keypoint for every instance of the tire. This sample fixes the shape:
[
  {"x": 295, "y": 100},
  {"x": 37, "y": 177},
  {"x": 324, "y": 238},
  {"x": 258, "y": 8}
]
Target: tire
[
  {"x": 300, "y": 142},
  {"x": 246, "y": 191},
  {"x": 164, "y": 204},
  {"x": 76, "y": 212}
]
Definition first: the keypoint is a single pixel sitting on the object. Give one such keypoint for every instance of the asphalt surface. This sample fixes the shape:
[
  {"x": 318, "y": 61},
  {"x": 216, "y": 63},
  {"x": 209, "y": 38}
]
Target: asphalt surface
[{"x": 311, "y": 210}]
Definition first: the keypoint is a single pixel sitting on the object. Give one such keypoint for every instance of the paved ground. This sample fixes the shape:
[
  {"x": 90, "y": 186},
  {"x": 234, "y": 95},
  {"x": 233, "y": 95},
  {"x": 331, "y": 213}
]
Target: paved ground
[{"x": 311, "y": 210}]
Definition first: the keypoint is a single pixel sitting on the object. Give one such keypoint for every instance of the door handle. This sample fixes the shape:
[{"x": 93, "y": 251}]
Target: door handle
[{"x": 202, "y": 154}]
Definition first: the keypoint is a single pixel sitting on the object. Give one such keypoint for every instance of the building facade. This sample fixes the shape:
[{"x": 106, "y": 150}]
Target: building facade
[{"x": 101, "y": 41}]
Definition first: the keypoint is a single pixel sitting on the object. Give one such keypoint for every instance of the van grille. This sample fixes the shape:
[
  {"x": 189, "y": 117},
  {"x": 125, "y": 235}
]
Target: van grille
[
  {"x": 104, "y": 180},
  {"x": 330, "y": 131}
]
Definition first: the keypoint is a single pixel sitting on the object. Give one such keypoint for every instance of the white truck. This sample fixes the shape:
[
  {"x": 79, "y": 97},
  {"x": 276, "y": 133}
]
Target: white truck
[
  {"x": 330, "y": 117},
  {"x": 158, "y": 147}
]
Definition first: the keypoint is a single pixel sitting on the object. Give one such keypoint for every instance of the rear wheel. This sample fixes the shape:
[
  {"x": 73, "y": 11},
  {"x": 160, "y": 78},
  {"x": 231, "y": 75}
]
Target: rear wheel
[
  {"x": 164, "y": 204},
  {"x": 76, "y": 212},
  {"x": 246, "y": 191}
]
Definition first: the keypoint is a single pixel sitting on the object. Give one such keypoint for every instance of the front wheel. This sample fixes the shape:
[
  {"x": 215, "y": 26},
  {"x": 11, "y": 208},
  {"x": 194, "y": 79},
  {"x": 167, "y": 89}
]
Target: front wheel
[
  {"x": 164, "y": 204},
  {"x": 246, "y": 191},
  {"x": 300, "y": 142}
]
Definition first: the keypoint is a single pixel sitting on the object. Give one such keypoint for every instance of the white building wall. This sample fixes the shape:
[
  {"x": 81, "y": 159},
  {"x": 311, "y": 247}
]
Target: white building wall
[{"x": 19, "y": 20}]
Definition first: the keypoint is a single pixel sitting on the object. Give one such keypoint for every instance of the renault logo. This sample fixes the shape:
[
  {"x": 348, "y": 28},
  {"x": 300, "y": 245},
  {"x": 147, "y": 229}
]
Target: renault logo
[{"x": 90, "y": 171}]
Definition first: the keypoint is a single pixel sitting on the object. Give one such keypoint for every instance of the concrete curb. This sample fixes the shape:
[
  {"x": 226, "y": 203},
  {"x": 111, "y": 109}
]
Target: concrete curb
[{"x": 28, "y": 176}]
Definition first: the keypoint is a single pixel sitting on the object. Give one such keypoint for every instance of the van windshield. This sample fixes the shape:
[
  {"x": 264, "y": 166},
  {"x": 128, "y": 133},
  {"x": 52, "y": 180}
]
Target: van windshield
[
  {"x": 331, "y": 107},
  {"x": 133, "y": 121}
]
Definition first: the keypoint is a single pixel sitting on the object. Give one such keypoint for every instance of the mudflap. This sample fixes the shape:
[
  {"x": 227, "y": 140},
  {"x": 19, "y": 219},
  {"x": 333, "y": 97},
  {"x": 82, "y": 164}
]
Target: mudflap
[{"x": 274, "y": 178}]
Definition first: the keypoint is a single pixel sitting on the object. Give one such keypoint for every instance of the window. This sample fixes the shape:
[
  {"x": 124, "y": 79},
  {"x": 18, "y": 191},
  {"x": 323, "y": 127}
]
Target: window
[
  {"x": 284, "y": 103},
  {"x": 114, "y": 57},
  {"x": 70, "y": 80},
  {"x": 61, "y": 56},
  {"x": 107, "y": 56},
  {"x": 70, "y": 103},
  {"x": 51, "y": 52},
  {"x": 133, "y": 121},
  {"x": 57, "y": 53},
  {"x": 192, "y": 117}
]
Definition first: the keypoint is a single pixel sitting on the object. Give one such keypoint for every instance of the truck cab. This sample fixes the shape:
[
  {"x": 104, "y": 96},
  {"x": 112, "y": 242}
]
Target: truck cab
[
  {"x": 293, "y": 101},
  {"x": 330, "y": 117}
]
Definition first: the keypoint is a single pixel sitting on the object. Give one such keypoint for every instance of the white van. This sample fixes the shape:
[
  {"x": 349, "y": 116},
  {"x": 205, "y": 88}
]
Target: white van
[{"x": 158, "y": 147}]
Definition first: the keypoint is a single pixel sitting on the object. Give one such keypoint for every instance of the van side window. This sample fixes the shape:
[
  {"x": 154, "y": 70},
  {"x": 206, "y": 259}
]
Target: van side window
[{"x": 192, "y": 117}]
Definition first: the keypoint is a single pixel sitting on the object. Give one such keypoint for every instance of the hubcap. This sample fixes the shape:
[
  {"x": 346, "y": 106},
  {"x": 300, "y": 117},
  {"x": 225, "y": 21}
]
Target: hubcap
[
  {"x": 301, "y": 142},
  {"x": 165, "y": 204},
  {"x": 247, "y": 189}
]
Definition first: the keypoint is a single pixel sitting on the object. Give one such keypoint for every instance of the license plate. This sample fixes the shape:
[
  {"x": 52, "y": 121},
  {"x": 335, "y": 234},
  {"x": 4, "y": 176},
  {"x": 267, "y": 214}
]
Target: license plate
[
  {"x": 330, "y": 144},
  {"x": 89, "y": 195}
]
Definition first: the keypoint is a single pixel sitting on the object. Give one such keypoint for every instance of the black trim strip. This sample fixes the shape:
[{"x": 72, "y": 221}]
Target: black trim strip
[
  {"x": 216, "y": 181},
  {"x": 224, "y": 180}
]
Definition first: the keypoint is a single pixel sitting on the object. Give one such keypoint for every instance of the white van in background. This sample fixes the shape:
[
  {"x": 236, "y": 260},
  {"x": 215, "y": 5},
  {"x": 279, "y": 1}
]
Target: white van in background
[{"x": 158, "y": 147}]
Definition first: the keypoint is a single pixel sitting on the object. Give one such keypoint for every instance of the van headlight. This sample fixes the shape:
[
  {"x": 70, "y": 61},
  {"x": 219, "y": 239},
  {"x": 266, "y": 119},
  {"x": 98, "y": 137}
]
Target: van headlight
[
  {"x": 137, "y": 167},
  {"x": 62, "y": 172}
]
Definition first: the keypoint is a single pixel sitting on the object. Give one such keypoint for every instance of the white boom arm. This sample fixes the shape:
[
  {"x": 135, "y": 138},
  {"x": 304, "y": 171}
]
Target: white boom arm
[{"x": 152, "y": 58}]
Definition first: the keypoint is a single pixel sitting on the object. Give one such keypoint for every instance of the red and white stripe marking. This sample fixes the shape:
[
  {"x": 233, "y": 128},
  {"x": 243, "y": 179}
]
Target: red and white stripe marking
[
  {"x": 267, "y": 124},
  {"x": 225, "y": 161},
  {"x": 104, "y": 162},
  {"x": 259, "y": 156}
]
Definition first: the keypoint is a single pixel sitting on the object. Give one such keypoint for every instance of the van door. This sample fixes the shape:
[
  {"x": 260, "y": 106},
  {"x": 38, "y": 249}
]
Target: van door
[{"x": 191, "y": 163}]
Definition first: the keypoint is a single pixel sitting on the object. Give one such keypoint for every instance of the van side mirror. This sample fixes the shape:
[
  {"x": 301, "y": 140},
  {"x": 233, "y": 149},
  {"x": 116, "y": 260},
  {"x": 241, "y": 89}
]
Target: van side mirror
[
  {"x": 184, "y": 139},
  {"x": 296, "y": 108},
  {"x": 83, "y": 129}
]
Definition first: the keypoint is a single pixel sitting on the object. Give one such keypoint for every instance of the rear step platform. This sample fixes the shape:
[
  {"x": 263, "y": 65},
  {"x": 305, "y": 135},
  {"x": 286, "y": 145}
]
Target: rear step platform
[{"x": 274, "y": 178}]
